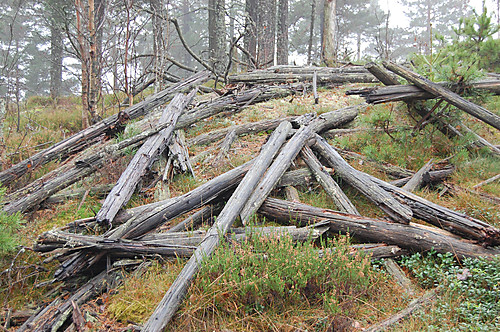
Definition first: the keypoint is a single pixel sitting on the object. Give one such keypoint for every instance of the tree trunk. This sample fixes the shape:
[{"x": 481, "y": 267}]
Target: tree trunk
[
  {"x": 217, "y": 35},
  {"x": 311, "y": 33},
  {"x": 282, "y": 33},
  {"x": 56, "y": 52},
  {"x": 266, "y": 31},
  {"x": 250, "y": 38},
  {"x": 328, "y": 51}
]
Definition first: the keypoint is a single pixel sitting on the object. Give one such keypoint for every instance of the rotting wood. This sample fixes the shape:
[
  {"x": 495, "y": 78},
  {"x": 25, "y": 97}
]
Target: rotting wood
[
  {"x": 291, "y": 194},
  {"x": 431, "y": 177},
  {"x": 265, "y": 77},
  {"x": 315, "y": 90},
  {"x": 198, "y": 218},
  {"x": 276, "y": 170},
  {"x": 380, "y": 74},
  {"x": 411, "y": 237},
  {"x": 417, "y": 304},
  {"x": 99, "y": 191},
  {"x": 82, "y": 139},
  {"x": 178, "y": 155},
  {"x": 165, "y": 244},
  {"x": 172, "y": 299},
  {"x": 154, "y": 146},
  {"x": 442, "y": 217},
  {"x": 225, "y": 146},
  {"x": 451, "y": 97},
  {"x": 376, "y": 251},
  {"x": 399, "y": 275},
  {"x": 392, "y": 93},
  {"x": 329, "y": 185},
  {"x": 396, "y": 210},
  {"x": 417, "y": 179}
]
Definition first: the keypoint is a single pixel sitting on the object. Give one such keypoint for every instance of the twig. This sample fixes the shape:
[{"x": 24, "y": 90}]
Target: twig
[{"x": 496, "y": 177}]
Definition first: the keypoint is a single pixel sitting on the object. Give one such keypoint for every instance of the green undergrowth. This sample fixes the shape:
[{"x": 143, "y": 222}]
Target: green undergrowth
[
  {"x": 469, "y": 292},
  {"x": 263, "y": 279}
]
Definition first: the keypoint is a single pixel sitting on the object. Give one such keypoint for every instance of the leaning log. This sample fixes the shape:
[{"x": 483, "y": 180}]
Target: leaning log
[
  {"x": 410, "y": 237},
  {"x": 451, "y": 97},
  {"x": 329, "y": 185},
  {"x": 442, "y": 217},
  {"x": 417, "y": 179},
  {"x": 225, "y": 146},
  {"x": 172, "y": 299},
  {"x": 361, "y": 182},
  {"x": 82, "y": 139},
  {"x": 153, "y": 147}
]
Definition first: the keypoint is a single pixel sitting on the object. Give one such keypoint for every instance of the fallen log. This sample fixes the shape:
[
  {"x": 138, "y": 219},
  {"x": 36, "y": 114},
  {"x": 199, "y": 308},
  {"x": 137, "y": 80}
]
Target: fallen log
[
  {"x": 417, "y": 304},
  {"x": 418, "y": 178},
  {"x": 172, "y": 299},
  {"x": 175, "y": 244},
  {"x": 323, "y": 78},
  {"x": 85, "y": 137},
  {"x": 407, "y": 93},
  {"x": 99, "y": 191},
  {"x": 410, "y": 237},
  {"x": 430, "y": 177},
  {"x": 225, "y": 146},
  {"x": 361, "y": 182},
  {"x": 329, "y": 185},
  {"x": 451, "y": 97},
  {"x": 291, "y": 194},
  {"x": 439, "y": 216},
  {"x": 492, "y": 179},
  {"x": 178, "y": 156},
  {"x": 276, "y": 170},
  {"x": 205, "y": 214},
  {"x": 399, "y": 275},
  {"x": 153, "y": 147}
]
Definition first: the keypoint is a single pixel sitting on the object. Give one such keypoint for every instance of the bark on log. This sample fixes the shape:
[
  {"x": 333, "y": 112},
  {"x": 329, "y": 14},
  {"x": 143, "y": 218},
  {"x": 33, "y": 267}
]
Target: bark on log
[
  {"x": 451, "y": 97},
  {"x": 361, "y": 182},
  {"x": 153, "y": 147},
  {"x": 381, "y": 74},
  {"x": 172, "y": 299},
  {"x": 375, "y": 230},
  {"x": 80, "y": 140},
  {"x": 418, "y": 178},
  {"x": 329, "y": 185}
]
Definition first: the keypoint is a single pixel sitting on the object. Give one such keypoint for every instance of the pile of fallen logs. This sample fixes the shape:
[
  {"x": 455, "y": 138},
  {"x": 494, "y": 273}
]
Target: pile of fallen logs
[{"x": 239, "y": 193}]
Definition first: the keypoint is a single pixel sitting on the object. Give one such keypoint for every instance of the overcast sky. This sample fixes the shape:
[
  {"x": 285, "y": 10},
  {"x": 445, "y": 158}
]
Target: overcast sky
[{"x": 397, "y": 10}]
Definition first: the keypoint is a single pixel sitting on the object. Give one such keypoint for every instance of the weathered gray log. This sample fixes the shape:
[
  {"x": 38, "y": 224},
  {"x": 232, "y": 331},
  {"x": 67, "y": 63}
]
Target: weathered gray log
[
  {"x": 172, "y": 299},
  {"x": 137, "y": 222},
  {"x": 291, "y": 194},
  {"x": 417, "y": 304},
  {"x": 480, "y": 141},
  {"x": 292, "y": 69},
  {"x": 432, "y": 176},
  {"x": 381, "y": 74},
  {"x": 439, "y": 216},
  {"x": 399, "y": 275},
  {"x": 241, "y": 130},
  {"x": 396, "y": 210},
  {"x": 180, "y": 244},
  {"x": 264, "y": 77},
  {"x": 389, "y": 169},
  {"x": 301, "y": 177},
  {"x": 410, "y": 237},
  {"x": 178, "y": 155},
  {"x": 482, "y": 183},
  {"x": 63, "y": 196},
  {"x": 205, "y": 214},
  {"x": 418, "y": 178},
  {"x": 329, "y": 185},
  {"x": 82, "y": 139},
  {"x": 376, "y": 251},
  {"x": 225, "y": 146},
  {"x": 451, "y": 97},
  {"x": 407, "y": 93},
  {"x": 276, "y": 170},
  {"x": 153, "y": 147},
  {"x": 56, "y": 313}
]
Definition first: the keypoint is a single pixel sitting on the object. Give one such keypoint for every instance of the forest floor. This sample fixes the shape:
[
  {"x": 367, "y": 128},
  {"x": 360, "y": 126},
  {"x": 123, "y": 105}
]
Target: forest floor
[{"x": 243, "y": 297}]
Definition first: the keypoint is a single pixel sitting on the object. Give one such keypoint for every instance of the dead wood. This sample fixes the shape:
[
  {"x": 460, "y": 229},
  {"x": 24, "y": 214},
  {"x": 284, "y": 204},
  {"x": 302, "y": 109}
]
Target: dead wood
[
  {"x": 225, "y": 146},
  {"x": 492, "y": 179},
  {"x": 87, "y": 136},
  {"x": 411, "y": 237},
  {"x": 329, "y": 185},
  {"x": 417, "y": 304},
  {"x": 178, "y": 156},
  {"x": 451, "y": 97},
  {"x": 153, "y": 147},
  {"x": 172, "y": 299},
  {"x": 399, "y": 275},
  {"x": 361, "y": 182},
  {"x": 63, "y": 196},
  {"x": 417, "y": 179},
  {"x": 291, "y": 194}
]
